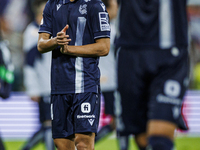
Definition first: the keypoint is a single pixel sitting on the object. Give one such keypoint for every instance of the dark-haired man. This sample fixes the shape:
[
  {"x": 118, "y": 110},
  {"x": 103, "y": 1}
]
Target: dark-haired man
[{"x": 77, "y": 32}]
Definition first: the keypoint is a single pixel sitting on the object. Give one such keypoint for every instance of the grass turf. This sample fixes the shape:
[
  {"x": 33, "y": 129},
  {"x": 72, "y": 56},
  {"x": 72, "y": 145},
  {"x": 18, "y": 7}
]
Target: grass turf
[{"x": 182, "y": 143}]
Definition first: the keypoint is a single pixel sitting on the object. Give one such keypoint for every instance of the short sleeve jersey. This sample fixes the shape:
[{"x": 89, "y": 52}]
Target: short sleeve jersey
[
  {"x": 88, "y": 20},
  {"x": 158, "y": 24}
]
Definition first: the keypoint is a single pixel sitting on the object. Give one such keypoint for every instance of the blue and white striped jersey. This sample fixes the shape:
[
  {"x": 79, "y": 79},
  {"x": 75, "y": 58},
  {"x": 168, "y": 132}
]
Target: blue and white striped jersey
[
  {"x": 88, "y": 20},
  {"x": 158, "y": 24}
]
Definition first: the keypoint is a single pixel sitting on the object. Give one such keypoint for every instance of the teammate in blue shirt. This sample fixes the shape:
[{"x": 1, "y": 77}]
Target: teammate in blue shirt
[
  {"x": 37, "y": 68},
  {"x": 152, "y": 44},
  {"x": 77, "y": 32}
]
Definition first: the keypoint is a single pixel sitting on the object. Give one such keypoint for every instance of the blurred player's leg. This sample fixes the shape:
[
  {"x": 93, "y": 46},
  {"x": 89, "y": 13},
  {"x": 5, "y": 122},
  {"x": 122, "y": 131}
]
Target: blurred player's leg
[
  {"x": 35, "y": 139},
  {"x": 132, "y": 97},
  {"x": 141, "y": 141},
  {"x": 48, "y": 140},
  {"x": 45, "y": 119},
  {"x": 160, "y": 135},
  {"x": 160, "y": 143},
  {"x": 103, "y": 132},
  {"x": 109, "y": 101},
  {"x": 1, "y": 145},
  {"x": 123, "y": 142},
  {"x": 166, "y": 90},
  {"x": 110, "y": 104}
]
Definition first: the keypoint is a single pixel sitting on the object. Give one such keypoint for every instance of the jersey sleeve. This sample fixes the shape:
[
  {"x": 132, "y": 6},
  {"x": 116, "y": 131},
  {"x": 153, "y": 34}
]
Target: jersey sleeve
[
  {"x": 46, "y": 23},
  {"x": 100, "y": 20}
]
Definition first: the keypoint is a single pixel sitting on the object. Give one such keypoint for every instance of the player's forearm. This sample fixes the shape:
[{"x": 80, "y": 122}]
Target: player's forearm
[
  {"x": 46, "y": 45},
  {"x": 91, "y": 50},
  {"x": 88, "y": 50}
]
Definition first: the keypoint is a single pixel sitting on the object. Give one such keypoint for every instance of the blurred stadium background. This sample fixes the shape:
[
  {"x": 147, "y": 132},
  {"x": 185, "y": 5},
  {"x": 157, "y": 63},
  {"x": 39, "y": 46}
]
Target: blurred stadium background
[{"x": 19, "y": 115}]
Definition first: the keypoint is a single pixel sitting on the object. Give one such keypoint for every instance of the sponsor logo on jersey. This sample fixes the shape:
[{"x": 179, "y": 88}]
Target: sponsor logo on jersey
[
  {"x": 172, "y": 88},
  {"x": 83, "y": 9},
  {"x": 104, "y": 21},
  {"x": 85, "y": 107},
  {"x": 169, "y": 100},
  {"x": 87, "y": 1},
  {"x": 85, "y": 116}
]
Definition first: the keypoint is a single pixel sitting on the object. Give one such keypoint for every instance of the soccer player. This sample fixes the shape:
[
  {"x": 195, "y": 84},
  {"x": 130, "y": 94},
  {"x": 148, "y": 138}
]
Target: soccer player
[
  {"x": 37, "y": 78},
  {"x": 152, "y": 45},
  {"x": 108, "y": 79},
  {"x": 77, "y": 32}
]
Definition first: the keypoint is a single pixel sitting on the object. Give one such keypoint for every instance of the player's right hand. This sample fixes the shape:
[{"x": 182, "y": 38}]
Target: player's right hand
[{"x": 62, "y": 38}]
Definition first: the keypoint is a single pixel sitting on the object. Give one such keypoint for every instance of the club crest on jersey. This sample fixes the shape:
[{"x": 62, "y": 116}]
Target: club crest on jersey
[
  {"x": 83, "y": 9},
  {"x": 104, "y": 21},
  {"x": 85, "y": 107}
]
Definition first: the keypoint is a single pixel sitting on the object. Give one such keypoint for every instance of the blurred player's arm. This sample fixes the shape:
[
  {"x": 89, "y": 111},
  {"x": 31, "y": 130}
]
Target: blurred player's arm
[{"x": 31, "y": 83}]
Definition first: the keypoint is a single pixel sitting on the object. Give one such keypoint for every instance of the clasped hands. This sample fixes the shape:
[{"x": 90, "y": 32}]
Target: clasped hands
[{"x": 63, "y": 40}]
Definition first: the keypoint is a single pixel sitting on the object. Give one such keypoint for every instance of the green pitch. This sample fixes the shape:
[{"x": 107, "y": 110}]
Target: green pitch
[{"x": 184, "y": 143}]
